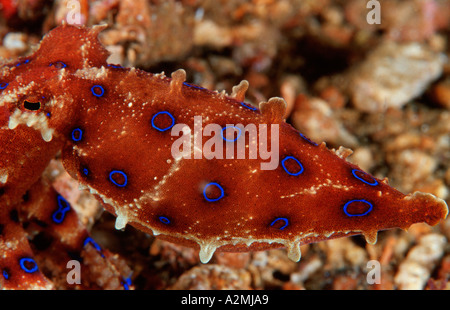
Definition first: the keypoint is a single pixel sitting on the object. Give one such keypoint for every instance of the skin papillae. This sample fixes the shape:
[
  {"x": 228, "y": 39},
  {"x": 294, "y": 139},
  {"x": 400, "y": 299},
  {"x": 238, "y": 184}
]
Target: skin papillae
[{"x": 114, "y": 127}]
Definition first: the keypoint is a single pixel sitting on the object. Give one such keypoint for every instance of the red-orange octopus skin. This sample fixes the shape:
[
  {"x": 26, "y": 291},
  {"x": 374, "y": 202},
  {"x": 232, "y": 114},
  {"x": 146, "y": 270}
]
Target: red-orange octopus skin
[
  {"x": 35, "y": 112},
  {"x": 121, "y": 124},
  {"x": 31, "y": 128},
  {"x": 60, "y": 237}
]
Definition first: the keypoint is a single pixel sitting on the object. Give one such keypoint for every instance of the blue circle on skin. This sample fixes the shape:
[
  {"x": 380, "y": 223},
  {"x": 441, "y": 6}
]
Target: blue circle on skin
[
  {"x": 374, "y": 183},
  {"x": 25, "y": 268},
  {"x": 92, "y": 241},
  {"x": 5, "y": 274},
  {"x": 228, "y": 140},
  {"x": 3, "y": 85},
  {"x": 121, "y": 173},
  {"x": 222, "y": 192},
  {"x": 63, "y": 207},
  {"x": 248, "y": 107},
  {"x": 58, "y": 65},
  {"x": 23, "y": 62},
  {"x": 307, "y": 139},
  {"x": 126, "y": 283},
  {"x": 114, "y": 66},
  {"x": 94, "y": 244},
  {"x": 286, "y": 222},
  {"x": 95, "y": 93},
  {"x": 163, "y": 129},
  {"x": 358, "y": 200},
  {"x": 164, "y": 220},
  {"x": 86, "y": 171},
  {"x": 80, "y": 134},
  {"x": 296, "y": 160}
]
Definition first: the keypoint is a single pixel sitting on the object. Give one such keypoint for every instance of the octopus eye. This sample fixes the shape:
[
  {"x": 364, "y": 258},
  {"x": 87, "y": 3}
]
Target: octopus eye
[{"x": 31, "y": 105}]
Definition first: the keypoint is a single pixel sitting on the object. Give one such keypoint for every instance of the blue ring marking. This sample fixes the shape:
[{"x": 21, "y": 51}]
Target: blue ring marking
[
  {"x": 23, "y": 62},
  {"x": 92, "y": 241},
  {"x": 248, "y": 106},
  {"x": 298, "y": 162},
  {"x": 121, "y": 173},
  {"x": 80, "y": 134},
  {"x": 286, "y": 222},
  {"x": 5, "y": 274},
  {"x": 239, "y": 135},
  {"x": 307, "y": 139},
  {"x": 25, "y": 268},
  {"x": 163, "y": 129},
  {"x": 94, "y": 244},
  {"x": 3, "y": 85},
  {"x": 374, "y": 183},
  {"x": 94, "y": 88},
  {"x": 193, "y": 86},
  {"x": 58, "y": 65},
  {"x": 164, "y": 220},
  {"x": 357, "y": 200},
  {"x": 48, "y": 114},
  {"x": 63, "y": 208},
  {"x": 126, "y": 283},
  {"x": 114, "y": 66},
  {"x": 86, "y": 171},
  {"x": 222, "y": 192}
]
